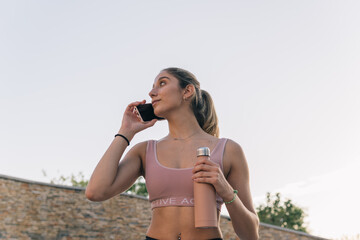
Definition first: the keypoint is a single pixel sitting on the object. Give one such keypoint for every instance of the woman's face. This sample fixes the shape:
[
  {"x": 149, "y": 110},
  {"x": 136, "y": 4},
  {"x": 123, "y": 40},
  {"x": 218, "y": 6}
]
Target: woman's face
[{"x": 166, "y": 94}]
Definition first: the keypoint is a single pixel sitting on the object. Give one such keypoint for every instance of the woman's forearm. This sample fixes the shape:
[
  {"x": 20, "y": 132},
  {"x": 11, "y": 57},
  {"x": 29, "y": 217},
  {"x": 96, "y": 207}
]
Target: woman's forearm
[
  {"x": 106, "y": 170},
  {"x": 245, "y": 222}
]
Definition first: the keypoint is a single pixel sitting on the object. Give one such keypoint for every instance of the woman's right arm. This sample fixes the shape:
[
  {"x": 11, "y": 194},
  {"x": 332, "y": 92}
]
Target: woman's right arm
[{"x": 111, "y": 177}]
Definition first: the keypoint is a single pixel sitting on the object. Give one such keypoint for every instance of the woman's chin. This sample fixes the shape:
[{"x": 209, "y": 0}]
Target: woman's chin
[{"x": 159, "y": 114}]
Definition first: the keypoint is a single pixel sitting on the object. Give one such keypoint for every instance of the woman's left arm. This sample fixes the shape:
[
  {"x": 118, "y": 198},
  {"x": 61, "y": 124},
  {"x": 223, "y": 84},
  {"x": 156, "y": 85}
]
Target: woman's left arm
[{"x": 242, "y": 212}]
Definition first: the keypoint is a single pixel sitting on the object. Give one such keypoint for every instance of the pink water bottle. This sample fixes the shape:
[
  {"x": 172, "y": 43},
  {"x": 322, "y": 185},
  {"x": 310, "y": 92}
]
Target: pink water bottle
[{"x": 204, "y": 199}]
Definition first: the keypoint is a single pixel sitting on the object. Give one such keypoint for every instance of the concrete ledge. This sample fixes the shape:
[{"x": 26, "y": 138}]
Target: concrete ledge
[
  {"x": 16, "y": 179},
  {"x": 291, "y": 231}
]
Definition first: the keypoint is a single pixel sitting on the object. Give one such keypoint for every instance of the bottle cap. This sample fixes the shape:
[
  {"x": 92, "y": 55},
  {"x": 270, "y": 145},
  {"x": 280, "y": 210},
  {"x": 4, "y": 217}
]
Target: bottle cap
[{"x": 203, "y": 151}]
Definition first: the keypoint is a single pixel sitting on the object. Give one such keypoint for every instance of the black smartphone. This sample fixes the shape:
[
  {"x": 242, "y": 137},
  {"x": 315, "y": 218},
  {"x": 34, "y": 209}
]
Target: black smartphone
[{"x": 146, "y": 112}]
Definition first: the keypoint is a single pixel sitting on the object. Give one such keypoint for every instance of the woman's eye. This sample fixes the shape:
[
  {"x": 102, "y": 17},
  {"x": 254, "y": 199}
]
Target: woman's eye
[{"x": 162, "y": 83}]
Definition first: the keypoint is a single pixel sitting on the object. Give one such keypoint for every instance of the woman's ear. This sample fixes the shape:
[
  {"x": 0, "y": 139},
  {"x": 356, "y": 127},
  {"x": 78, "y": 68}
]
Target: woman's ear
[{"x": 189, "y": 91}]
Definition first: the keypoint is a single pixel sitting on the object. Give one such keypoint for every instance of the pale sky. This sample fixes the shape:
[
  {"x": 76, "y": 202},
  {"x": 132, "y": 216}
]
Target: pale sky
[{"x": 284, "y": 76}]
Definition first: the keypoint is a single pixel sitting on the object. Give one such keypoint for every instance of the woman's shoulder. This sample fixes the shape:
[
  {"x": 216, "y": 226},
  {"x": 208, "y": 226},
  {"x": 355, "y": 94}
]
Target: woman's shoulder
[
  {"x": 233, "y": 149},
  {"x": 231, "y": 143},
  {"x": 141, "y": 144},
  {"x": 140, "y": 148}
]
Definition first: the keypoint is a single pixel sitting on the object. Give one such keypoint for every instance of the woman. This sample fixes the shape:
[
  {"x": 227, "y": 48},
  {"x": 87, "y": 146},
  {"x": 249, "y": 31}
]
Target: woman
[{"x": 168, "y": 164}]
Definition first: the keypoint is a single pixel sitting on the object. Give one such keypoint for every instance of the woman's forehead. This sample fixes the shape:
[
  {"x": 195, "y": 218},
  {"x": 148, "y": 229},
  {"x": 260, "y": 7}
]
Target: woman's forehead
[{"x": 163, "y": 74}]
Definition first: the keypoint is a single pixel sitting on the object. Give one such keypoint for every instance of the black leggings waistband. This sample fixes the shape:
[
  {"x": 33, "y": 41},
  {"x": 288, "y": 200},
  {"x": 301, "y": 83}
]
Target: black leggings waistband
[{"x": 150, "y": 238}]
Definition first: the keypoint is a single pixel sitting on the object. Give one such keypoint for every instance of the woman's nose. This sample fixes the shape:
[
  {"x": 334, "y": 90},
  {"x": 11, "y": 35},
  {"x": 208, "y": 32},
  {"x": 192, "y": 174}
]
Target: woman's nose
[{"x": 152, "y": 93}]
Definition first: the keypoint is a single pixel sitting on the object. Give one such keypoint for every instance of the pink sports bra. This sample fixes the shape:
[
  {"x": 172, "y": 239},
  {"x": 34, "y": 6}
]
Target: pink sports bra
[{"x": 174, "y": 186}]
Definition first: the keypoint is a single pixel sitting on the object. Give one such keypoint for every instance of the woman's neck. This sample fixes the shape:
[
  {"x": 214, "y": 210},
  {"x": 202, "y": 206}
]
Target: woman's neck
[{"x": 183, "y": 126}]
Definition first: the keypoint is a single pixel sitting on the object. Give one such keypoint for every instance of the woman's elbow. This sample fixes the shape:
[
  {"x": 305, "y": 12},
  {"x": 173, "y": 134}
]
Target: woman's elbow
[
  {"x": 257, "y": 228},
  {"x": 252, "y": 232},
  {"x": 256, "y": 235},
  {"x": 93, "y": 195},
  {"x": 250, "y": 236}
]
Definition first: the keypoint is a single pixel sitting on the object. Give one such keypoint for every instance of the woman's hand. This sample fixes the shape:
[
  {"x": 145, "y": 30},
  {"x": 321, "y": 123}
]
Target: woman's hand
[
  {"x": 131, "y": 122},
  {"x": 206, "y": 171}
]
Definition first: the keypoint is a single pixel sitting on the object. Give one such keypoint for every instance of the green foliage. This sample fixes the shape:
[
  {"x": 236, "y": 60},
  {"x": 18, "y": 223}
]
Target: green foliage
[
  {"x": 283, "y": 214},
  {"x": 73, "y": 180},
  {"x": 138, "y": 188}
]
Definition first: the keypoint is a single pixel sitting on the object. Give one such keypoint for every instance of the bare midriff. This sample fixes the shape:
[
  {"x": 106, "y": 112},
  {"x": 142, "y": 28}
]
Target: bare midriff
[{"x": 169, "y": 222}]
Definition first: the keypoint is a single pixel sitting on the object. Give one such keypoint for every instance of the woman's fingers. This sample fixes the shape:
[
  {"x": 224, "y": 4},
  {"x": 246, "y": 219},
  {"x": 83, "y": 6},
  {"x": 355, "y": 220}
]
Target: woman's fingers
[
  {"x": 133, "y": 104},
  {"x": 206, "y": 177},
  {"x": 137, "y": 103},
  {"x": 132, "y": 121},
  {"x": 205, "y": 165},
  {"x": 131, "y": 108},
  {"x": 147, "y": 124},
  {"x": 205, "y": 161},
  {"x": 203, "y": 174},
  {"x": 206, "y": 171}
]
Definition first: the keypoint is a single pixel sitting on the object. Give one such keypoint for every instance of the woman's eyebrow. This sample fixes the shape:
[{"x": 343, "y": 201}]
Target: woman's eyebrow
[{"x": 160, "y": 79}]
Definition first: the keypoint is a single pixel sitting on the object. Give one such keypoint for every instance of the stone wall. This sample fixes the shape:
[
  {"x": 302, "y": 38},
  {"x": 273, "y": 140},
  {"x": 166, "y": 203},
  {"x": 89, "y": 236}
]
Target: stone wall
[{"x": 33, "y": 210}]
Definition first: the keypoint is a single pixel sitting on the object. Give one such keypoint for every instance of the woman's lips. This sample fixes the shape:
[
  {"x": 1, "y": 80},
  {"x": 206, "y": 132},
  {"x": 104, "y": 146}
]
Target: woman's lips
[{"x": 154, "y": 102}]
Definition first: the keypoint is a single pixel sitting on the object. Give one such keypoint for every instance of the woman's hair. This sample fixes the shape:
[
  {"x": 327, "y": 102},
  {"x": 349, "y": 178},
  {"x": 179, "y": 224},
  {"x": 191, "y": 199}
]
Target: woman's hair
[{"x": 201, "y": 104}]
